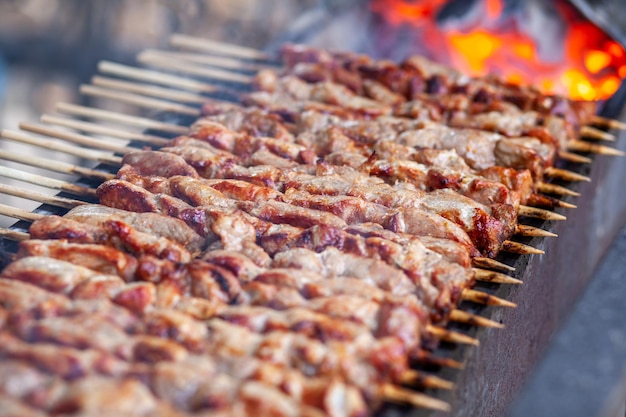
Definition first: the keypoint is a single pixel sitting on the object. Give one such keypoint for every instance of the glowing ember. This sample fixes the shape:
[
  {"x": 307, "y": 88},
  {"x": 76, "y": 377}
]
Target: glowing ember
[{"x": 591, "y": 66}]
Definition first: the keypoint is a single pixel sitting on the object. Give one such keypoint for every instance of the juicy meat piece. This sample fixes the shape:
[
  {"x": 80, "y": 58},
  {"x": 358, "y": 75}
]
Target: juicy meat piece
[
  {"x": 51, "y": 274},
  {"x": 522, "y": 154},
  {"x": 277, "y": 212},
  {"x": 10, "y": 406},
  {"x": 241, "y": 190},
  {"x": 379, "y": 92},
  {"x": 157, "y": 163},
  {"x": 199, "y": 193},
  {"x": 462, "y": 211},
  {"x": 100, "y": 258},
  {"x": 21, "y": 296},
  {"x": 333, "y": 263},
  {"x": 18, "y": 379},
  {"x": 56, "y": 227},
  {"x": 140, "y": 197},
  {"x": 253, "y": 122},
  {"x": 239, "y": 264},
  {"x": 237, "y": 234},
  {"x": 518, "y": 181},
  {"x": 349, "y": 209},
  {"x": 156, "y": 184},
  {"x": 121, "y": 194},
  {"x": 98, "y": 286},
  {"x": 476, "y": 147},
  {"x": 204, "y": 161},
  {"x": 162, "y": 226},
  {"x": 107, "y": 396},
  {"x": 109, "y": 232}
]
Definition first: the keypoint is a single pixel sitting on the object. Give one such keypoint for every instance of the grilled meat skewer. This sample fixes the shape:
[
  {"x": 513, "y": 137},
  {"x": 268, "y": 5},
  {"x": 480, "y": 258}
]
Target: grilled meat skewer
[
  {"x": 375, "y": 192},
  {"x": 417, "y": 75}
]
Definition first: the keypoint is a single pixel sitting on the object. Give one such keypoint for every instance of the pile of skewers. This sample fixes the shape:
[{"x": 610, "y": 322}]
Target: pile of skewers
[{"x": 294, "y": 253}]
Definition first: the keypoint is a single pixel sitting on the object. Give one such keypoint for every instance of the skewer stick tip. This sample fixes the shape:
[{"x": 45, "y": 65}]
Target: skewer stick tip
[
  {"x": 495, "y": 277},
  {"x": 597, "y": 134},
  {"x": 413, "y": 377},
  {"x": 400, "y": 395},
  {"x": 565, "y": 174},
  {"x": 488, "y": 263},
  {"x": 539, "y": 213},
  {"x": 606, "y": 122},
  {"x": 520, "y": 248},
  {"x": 426, "y": 357},
  {"x": 461, "y": 316},
  {"x": 480, "y": 297},
  {"x": 531, "y": 231},
  {"x": 574, "y": 157},
  {"x": 13, "y": 235},
  {"x": 548, "y": 188},
  {"x": 452, "y": 337},
  {"x": 581, "y": 146}
]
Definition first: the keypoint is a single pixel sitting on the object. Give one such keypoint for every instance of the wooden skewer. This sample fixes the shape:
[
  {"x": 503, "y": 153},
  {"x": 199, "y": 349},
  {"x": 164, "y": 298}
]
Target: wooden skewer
[
  {"x": 530, "y": 231},
  {"x": 484, "y": 298},
  {"x": 193, "y": 69},
  {"x": 19, "y": 214},
  {"x": 540, "y": 200},
  {"x": 580, "y": 146},
  {"x": 206, "y": 45},
  {"x": 590, "y": 132},
  {"x": 461, "y": 316},
  {"x": 110, "y": 116},
  {"x": 427, "y": 357},
  {"x": 565, "y": 204},
  {"x": 566, "y": 175},
  {"x": 608, "y": 123},
  {"x": 547, "y": 188},
  {"x": 451, "y": 337},
  {"x": 211, "y": 60},
  {"x": 492, "y": 276},
  {"x": 539, "y": 213},
  {"x": 47, "y": 182},
  {"x": 488, "y": 263},
  {"x": 138, "y": 100},
  {"x": 13, "y": 235},
  {"x": 79, "y": 139},
  {"x": 103, "y": 130},
  {"x": 413, "y": 377},
  {"x": 67, "y": 203},
  {"x": 155, "y": 77},
  {"x": 55, "y": 166},
  {"x": 520, "y": 248},
  {"x": 399, "y": 395},
  {"x": 62, "y": 147},
  {"x": 150, "y": 90},
  {"x": 574, "y": 157}
]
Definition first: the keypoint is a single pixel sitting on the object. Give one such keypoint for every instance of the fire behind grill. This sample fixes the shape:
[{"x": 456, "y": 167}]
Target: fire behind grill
[{"x": 495, "y": 370}]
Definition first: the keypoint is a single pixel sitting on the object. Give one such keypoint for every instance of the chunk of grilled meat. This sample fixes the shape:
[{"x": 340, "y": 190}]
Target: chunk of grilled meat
[
  {"x": 113, "y": 233},
  {"x": 381, "y": 133},
  {"x": 499, "y": 229},
  {"x": 418, "y": 75}
]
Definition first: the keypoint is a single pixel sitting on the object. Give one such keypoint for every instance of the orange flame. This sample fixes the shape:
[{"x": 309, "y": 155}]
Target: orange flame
[{"x": 591, "y": 68}]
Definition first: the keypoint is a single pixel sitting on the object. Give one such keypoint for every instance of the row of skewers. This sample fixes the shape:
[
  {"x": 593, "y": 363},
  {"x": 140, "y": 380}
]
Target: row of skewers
[{"x": 292, "y": 254}]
